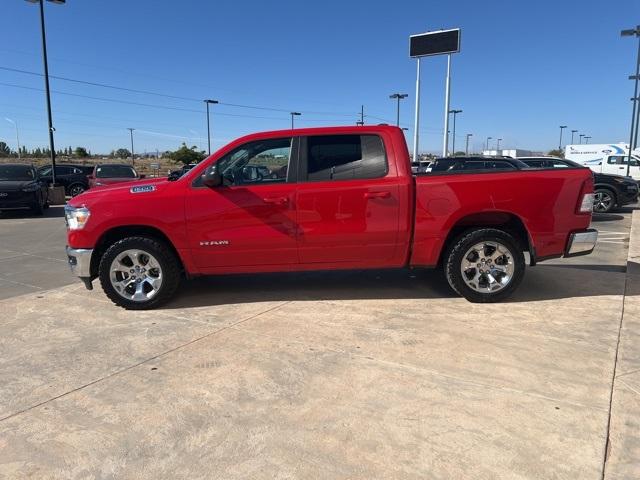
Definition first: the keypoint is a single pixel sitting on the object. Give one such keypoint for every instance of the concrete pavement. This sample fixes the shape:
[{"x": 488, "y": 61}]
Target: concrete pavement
[{"x": 338, "y": 375}]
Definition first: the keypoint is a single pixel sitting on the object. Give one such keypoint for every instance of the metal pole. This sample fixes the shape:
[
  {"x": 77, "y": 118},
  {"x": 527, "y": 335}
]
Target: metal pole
[
  {"x": 453, "y": 141},
  {"x": 132, "y": 154},
  {"x": 572, "y": 132},
  {"x": 416, "y": 122},
  {"x": 48, "y": 95},
  {"x": 447, "y": 96},
  {"x": 291, "y": 121},
  {"x": 398, "y": 112},
  {"x": 635, "y": 105},
  {"x": 498, "y": 147},
  {"x": 466, "y": 148},
  {"x": 17, "y": 139},
  {"x": 208, "y": 130},
  {"x": 562, "y": 127}
]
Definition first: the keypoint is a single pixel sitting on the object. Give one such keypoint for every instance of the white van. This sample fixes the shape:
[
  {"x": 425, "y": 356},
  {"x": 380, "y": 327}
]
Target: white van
[{"x": 605, "y": 158}]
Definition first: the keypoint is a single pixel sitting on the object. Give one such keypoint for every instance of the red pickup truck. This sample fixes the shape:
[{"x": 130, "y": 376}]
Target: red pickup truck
[{"x": 325, "y": 199}]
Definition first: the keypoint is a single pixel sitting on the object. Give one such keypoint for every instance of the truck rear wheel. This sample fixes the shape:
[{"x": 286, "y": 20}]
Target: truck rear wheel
[
  {"x": 485, "y": 265},
  {"x": 139, "y": 273}
]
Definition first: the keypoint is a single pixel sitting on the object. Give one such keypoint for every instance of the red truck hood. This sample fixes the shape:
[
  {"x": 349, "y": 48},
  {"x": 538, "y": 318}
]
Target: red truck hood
[{"x": 121, "y": 190}]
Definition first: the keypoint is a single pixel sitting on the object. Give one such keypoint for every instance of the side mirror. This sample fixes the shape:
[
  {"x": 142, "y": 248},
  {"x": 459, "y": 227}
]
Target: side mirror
[{"x": 211, "y": 177}]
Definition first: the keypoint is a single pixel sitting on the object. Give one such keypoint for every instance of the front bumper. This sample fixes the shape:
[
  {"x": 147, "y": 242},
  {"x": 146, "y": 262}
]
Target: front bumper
[
  {"x": 581, "y": 243},
  {"x": 80, "y": 262}
]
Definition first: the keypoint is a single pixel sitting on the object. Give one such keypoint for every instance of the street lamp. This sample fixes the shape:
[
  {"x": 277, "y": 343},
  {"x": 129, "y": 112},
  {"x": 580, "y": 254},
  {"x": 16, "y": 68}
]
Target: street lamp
[
  {"x": 580, "y": 137},
  {"x": 562, "y": 127},
  {"x": 572, "y": 132},
  {"x": 15, "y": 124},
  {"x": 455, "y": 112},
  {"x": 498, "y": 145},
  {"x": 466, "y": 149},
  {"x": 630, "y": 33},
  {"x": 587, "y": 139},
  {"x": 488, "y": 138},
  {"x": 207, "y": 102},
  {"x": 132, "y": 155},
  {"x": 398, "y": 97},
  {"x": 294, "y": 114},
  {"x": 46, "y": 85}
]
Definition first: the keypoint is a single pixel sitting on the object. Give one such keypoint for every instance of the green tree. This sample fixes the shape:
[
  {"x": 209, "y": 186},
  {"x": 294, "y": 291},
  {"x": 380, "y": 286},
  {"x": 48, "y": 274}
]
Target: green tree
[
  {"x": 122, "y": 153},
  {"x": 5, "y": 151},
  {"x": 556, "y": 153},
  {"x": 187, "y": 155},
  {"x": 81, "y": 152}
]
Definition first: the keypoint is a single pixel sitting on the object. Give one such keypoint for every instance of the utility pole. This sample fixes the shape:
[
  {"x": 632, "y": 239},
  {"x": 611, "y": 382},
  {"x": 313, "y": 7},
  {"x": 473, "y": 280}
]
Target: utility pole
[
  {"x": 466, "y": 149},
  {"x": 562, "y": 127},
  {"x": 453, "y": 148},
  {"x": 208, "y": 102},
  {"x": 294, "y": 114},
  {"x": 630, "y": 33},
  {"x": 132, "y": 154},
  {"x": 398, "y": 97},
  {"x": 46, "y": 86}
]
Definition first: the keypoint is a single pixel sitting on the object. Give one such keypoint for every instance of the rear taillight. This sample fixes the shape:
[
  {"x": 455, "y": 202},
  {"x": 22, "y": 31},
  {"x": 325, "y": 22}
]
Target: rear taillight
[{"x": 586, "y": 198}]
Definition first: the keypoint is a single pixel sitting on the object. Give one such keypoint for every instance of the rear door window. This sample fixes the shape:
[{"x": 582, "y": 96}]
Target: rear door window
[{"x": 345, "y": 157}]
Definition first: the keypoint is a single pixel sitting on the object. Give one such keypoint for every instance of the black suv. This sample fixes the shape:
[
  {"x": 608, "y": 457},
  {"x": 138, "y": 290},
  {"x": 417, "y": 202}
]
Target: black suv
[
  {"x": 474, "y": 164},
  {"x": 21, "y": 187},
  {"x": 610, "y": 190},
  {"x": 72, "y": 177}
]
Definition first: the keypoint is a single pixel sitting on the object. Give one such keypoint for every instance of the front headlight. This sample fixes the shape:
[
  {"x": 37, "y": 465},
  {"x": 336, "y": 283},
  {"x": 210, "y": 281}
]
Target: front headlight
[
  {"x": 32, "y": 187},
  {"x": 76, "y": 218}
]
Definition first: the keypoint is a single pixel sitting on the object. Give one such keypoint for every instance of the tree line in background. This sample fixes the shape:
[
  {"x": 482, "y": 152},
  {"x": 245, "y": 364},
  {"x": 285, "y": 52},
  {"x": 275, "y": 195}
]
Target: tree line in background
[{"x": 183, "y": 154}]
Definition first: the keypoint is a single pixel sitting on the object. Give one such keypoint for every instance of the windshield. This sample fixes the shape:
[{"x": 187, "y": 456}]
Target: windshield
[
  {"x": 17, "y": 172},
  {"x": 115, "y": 171}
]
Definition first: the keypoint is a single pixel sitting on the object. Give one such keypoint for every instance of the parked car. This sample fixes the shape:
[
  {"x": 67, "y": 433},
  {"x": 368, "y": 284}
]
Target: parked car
[
  {"x": 474, "y": 164},
  {"x": 72, "y": 177},
  {"x": 345, "y": 198},
  {"x": 611, "y": 191},
  {"x": 111, "y": 173},
  {"x": 22, "y": 188},
  {"x": 420, "y": 167}
]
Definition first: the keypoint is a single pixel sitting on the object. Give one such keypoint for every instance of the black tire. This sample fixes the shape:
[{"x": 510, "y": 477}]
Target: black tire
[
  {"x": 38, "y": 207},
  {"x": 455, "y": 257},
  {"x": 169, "y": 264},
  {"x": 604, "y": 201},
  {"x": 75, "y": 189}
]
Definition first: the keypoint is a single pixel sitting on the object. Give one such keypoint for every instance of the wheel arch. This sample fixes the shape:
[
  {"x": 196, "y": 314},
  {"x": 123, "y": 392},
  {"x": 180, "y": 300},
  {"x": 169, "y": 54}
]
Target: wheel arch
[
  {"x": 114, "y": 234},
  {"x": 501, "y": 220}
]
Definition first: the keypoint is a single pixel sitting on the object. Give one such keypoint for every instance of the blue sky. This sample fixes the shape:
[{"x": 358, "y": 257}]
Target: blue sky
[{"x": 524, "y": 69}]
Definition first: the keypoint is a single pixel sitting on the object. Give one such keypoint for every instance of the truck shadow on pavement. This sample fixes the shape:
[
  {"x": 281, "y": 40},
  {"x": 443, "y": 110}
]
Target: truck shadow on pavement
[
  {"x": 543, "y": 282},
  {"x": 54, "y": 211}
]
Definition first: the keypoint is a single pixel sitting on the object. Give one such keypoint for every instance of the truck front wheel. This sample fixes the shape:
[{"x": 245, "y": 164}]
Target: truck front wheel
[
  {"x": 139, "y": 273},
  {"x": 485, "y": 265}
]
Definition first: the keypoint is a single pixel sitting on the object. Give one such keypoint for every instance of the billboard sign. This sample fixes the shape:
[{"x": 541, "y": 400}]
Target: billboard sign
[{"x": 434, "y": 43}]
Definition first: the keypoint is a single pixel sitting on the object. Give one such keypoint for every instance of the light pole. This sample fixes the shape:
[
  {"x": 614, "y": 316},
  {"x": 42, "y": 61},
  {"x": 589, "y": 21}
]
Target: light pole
[
  {"x": 132, "y": 155},
  {"x": 15, "y": 124},
  {"x": 453, "y": 148},
  {"x": 581, "y": 135},
  {"x": 294, "y": 114},
  {"x": 46, "y": 85},
  {"x": 466, "y": 149},
  {"x": 398, "y": 97},
  {"x": 562, "y": 127},
  {"x": 498, "y": 145},
  {"x": 587, "y": 139},
  {"x": 488, "y": 138},
  {"x": 207, "y": 102},
  {"x": 630, "y": 33},
  {"x": 572, "y": 133}
]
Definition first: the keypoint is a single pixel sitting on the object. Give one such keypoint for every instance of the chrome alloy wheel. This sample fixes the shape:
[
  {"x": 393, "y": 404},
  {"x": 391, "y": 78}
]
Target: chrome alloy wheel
[
  {"x": 602, "y": 201},
  {"x": 487, "y": 267},
  {"x": 76, "y": 190},
  {"x": 136, "y": 275}
]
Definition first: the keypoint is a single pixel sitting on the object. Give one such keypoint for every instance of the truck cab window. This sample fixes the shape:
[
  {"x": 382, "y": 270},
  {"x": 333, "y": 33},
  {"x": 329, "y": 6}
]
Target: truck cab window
[
  {"x": 259, "y": 162},
  {"x": 345, "y": 157}
]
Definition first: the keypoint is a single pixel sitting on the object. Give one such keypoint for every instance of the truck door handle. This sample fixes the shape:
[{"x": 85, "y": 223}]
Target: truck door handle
[
  {"x": 276, "y": 200},
  {"x": 377, "y": 194}
]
